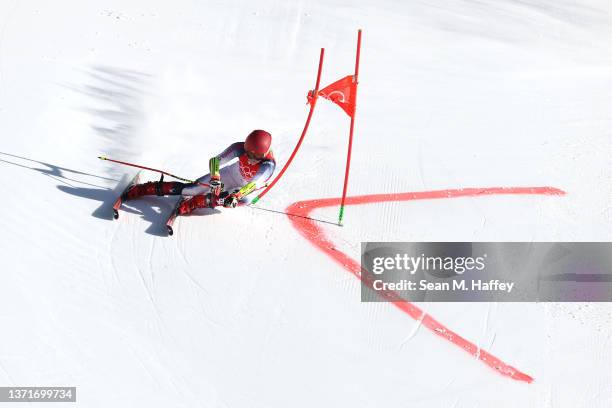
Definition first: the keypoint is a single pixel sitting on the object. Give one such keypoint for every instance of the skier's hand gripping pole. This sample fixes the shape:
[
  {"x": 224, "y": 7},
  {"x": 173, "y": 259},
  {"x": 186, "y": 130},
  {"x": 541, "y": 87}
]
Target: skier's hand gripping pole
[{"x": 215, "y": 178}]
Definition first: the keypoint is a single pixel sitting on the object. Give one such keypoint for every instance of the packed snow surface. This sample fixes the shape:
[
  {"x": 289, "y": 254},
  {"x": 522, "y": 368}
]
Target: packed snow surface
[{"x": 237, "y": 309}]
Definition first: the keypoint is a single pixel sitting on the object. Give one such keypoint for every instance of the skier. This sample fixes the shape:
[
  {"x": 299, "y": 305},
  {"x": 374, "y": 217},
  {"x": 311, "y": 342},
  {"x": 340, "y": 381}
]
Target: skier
[{"x": 255, "y": 165}]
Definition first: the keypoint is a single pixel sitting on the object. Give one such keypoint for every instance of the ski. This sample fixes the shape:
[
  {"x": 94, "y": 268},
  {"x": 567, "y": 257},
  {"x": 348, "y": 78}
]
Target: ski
[
  {"x": 212, "y": 202},
  {"x": 119, "y": 200},
  {"x": 173, "y": 215}
]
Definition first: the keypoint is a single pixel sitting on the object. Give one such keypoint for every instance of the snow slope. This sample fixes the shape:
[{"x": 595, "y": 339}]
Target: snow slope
[{"x": 237, "y": 309}]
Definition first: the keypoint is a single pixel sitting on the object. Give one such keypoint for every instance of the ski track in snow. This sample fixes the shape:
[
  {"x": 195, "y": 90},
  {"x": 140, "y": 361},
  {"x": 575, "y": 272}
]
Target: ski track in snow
[{"x": 299, "y": 215}]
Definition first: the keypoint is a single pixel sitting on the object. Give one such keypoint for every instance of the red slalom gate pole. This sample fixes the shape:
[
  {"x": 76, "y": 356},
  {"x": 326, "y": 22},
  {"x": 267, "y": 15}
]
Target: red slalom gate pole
[
  {"x": 149, "y": 168},
  {"x": 299, "y": 143},
  {"x": 350, "y": 145}
]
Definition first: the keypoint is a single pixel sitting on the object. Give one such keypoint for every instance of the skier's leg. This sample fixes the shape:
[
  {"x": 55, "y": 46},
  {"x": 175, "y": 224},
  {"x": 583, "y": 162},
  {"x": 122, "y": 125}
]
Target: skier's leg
[
  {"x": 194, "y": 189},
  {"x": 159, "y": 188},
  {"x": 193, "y": 203},
  {"x": 200, "y": 195}
]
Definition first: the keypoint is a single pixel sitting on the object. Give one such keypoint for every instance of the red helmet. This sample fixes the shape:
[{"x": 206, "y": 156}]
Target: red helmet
[{"x": 258, "y": 143}]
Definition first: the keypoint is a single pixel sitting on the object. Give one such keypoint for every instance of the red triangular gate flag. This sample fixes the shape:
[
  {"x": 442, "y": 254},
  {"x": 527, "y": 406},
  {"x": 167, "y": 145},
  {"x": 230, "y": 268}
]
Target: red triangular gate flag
[{"x": 341, "y": 92}]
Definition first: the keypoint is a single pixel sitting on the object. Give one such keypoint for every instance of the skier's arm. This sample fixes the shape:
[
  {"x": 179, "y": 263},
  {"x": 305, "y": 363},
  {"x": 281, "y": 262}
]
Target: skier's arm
[
  {"x": 266, "y": 169},
  {"x": 234, "y": 150},
  {"x": 261, "y": 177}
]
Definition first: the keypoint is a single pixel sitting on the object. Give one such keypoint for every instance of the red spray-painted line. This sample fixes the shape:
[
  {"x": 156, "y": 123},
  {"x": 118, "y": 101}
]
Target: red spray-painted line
[{"x": 312, "y": 231}]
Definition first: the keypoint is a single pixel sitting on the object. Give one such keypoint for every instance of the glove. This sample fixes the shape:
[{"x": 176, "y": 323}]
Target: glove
[
  {"x": 215, "y": 184},
  {"x": 231, "y": 201}
]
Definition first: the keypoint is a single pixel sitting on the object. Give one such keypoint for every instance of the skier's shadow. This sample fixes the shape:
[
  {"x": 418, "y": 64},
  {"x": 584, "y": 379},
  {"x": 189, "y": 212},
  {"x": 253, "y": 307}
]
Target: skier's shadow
[
  {"x": 105, "y": 195},
  {"x": 68, "y": 177},
  {"x": 155, "y": 210},
  {"x": 152, "y": 209}
]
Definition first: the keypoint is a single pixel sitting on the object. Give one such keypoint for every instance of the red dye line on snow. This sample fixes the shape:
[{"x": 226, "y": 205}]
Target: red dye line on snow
[{"x": 312, "y": 231}]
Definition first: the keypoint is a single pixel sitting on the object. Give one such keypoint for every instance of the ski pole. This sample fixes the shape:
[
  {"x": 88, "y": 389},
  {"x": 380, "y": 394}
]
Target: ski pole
[{"x": 149, "y": 168}]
